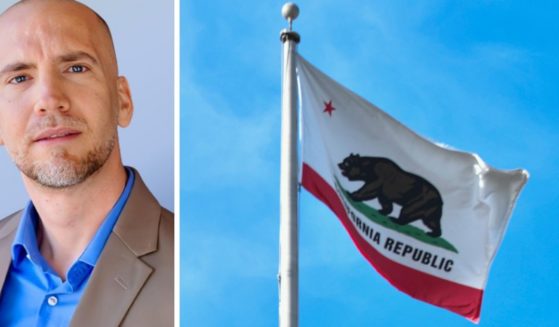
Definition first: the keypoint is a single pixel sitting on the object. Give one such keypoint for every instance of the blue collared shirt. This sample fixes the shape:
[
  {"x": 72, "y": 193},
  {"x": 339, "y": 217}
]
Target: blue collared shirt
[{"x": 33, "y": 293}]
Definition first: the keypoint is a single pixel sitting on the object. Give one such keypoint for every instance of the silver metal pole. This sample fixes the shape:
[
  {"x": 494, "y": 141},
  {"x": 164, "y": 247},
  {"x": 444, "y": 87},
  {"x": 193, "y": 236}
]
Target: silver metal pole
[{"x": 288, "y": 277}]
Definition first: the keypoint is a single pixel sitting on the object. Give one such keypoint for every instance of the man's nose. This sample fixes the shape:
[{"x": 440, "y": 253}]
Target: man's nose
[{"x": 51, "y": 96}]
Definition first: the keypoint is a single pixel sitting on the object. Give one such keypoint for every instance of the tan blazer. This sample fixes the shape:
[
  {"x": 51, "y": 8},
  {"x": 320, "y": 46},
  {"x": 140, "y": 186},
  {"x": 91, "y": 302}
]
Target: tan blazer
[{"x": 132, "y": 283}]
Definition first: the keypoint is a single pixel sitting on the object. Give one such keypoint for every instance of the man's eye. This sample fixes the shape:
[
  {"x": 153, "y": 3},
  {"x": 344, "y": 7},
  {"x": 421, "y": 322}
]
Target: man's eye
[
  {"x": 18, "y": 79},
  {"x": 78, "y": 69}
]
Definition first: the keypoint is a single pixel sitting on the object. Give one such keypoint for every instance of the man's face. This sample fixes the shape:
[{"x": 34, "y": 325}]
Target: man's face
[{"x": 60, "y": 98}]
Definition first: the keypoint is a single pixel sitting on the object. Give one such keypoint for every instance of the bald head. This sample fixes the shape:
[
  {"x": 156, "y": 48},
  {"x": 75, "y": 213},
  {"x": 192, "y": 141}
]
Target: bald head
[
  {"x": 36, "y": 13},
  {"x": 93, "y": 11}
]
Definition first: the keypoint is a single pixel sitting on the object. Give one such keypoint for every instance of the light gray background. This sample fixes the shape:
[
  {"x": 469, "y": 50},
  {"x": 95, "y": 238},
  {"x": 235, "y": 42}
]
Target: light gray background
[{"x": 143, "y": 36}]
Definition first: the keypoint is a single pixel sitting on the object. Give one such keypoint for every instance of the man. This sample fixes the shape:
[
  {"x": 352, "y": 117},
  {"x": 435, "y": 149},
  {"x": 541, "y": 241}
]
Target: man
[{"x": 93, "y": 247}]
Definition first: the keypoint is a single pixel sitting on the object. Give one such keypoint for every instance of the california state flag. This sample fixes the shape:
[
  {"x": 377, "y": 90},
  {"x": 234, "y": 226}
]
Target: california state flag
[{"x": 429, "y": 219}]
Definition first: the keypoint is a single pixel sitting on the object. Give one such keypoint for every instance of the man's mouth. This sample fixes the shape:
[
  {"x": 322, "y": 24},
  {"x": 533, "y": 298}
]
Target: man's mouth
[{"x": 56, "y": 134}]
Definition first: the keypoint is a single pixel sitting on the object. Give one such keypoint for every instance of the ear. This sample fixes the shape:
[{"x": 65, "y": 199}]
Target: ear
[{"x": 125, "y": 105}]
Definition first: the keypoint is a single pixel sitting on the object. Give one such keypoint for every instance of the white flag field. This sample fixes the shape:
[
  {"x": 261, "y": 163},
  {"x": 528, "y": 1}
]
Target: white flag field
[{"x": 429, "y": 219}]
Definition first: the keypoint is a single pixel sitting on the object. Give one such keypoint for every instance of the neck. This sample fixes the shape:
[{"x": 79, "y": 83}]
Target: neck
[{"x": 70, "y": 217}]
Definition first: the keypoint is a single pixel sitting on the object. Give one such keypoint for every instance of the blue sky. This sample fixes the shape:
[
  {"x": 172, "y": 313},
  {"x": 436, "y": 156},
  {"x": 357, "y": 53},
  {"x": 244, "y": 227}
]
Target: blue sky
[{"x": 480, "y": 76}]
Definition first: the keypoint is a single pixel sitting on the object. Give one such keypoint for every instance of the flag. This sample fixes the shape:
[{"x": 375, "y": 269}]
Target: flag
[{"x": 429, "y": 219}]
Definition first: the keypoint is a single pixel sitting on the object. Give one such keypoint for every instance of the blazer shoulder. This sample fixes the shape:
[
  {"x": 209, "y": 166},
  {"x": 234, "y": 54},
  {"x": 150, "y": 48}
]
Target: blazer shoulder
[
  {"x": 9, "y": 223},
  {"x": 167, "y": 225},
  {"x": 13, "y": 215}
]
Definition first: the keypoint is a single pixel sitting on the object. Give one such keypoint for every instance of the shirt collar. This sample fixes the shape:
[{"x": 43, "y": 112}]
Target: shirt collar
[{"x": 25, "y": 241}]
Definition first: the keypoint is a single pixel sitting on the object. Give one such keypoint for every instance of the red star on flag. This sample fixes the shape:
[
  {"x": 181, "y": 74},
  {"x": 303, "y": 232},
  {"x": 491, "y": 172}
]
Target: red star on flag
[{"x": 328, "y": 107}]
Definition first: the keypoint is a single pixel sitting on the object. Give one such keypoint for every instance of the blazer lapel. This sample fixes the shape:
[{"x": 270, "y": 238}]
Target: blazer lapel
[
  {"x": 120, "y": 274},
  {"x": 117, "y": 278},
  {"x": 8, "y": 227}
]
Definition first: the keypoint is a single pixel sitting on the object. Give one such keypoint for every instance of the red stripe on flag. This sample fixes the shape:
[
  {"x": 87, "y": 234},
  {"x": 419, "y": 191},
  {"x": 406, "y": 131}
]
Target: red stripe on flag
[{"x": 461, "y": 299}]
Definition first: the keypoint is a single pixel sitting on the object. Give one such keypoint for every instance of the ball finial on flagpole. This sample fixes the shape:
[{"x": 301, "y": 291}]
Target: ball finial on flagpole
[{"x": 290, "y": 11}]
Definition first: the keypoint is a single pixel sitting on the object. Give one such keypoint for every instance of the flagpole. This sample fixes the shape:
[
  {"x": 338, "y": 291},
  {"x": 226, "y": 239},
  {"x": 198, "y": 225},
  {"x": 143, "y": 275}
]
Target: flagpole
[{"x": 288, "y": 277}]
